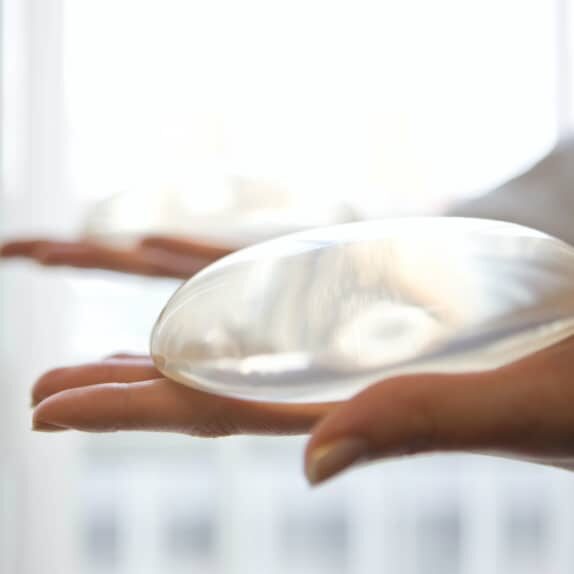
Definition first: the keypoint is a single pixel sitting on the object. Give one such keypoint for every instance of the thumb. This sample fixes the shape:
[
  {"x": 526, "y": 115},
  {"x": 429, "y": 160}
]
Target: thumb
[{"x": 416, "y": 414}]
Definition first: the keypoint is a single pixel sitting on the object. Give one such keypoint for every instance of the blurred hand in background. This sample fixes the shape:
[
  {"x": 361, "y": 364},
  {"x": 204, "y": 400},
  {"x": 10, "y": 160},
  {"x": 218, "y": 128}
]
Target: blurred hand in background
[
  {"x": 158, "y": 256},
  {"x": 539, "y": 198}
]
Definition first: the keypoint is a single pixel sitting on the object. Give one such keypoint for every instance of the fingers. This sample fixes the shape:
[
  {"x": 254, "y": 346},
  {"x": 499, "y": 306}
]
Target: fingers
[
  {"x": 109, "y": 371},
  {"x": 22, "y": 248},
  {"x": 82, "y": 254},
  {"x": 47, "y": 251},
  {"x": 187, "y": 247},
  {"x": 163, "y": 405},
  {"x": 156, "y": 257},
  {"x": 53, "y": 250},
  {"x": 73, "y": 253},
  {"x": 487, "y": 412},
  {"x": 90, "y": 255}
]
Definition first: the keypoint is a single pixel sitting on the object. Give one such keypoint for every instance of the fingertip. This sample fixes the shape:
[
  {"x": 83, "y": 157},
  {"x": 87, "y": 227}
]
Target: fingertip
[
  {"x": 329, "y": 460},
  {"x": 39, "y": 426},
  {"x": 40, "y": 389},
  {"x": 43, "y": 411},
  {"x": 97, "y": 408},
  {"x": 16, "y": 248}
]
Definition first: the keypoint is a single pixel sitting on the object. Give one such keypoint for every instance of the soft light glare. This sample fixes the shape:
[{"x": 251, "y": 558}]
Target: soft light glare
[{"x": 388, "y": 104}]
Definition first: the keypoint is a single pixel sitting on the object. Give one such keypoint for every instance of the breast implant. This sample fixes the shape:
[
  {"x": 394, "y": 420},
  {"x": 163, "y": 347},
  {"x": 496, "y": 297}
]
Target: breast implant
[{"x": 321, "y": 314}]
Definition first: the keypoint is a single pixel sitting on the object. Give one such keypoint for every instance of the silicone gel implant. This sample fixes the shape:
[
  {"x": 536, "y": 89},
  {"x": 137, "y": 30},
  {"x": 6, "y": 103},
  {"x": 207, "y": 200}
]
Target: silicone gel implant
[{"x": 321, "y": 314}]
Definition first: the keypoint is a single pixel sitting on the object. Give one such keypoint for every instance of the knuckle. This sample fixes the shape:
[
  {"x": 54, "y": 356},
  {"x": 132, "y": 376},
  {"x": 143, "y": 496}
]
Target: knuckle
[
  {"x": 46, "y": 380},
  {"x": 42, "y": 385}
]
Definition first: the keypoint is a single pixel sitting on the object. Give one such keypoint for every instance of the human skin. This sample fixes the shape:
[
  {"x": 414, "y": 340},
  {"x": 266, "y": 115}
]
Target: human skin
[
  {"x": 521, "y": 411},
  {"x": 155, "y": 256}
]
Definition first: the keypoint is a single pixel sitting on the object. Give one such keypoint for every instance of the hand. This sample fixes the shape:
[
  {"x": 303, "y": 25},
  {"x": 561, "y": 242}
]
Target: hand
[
  {"x": 126, "y": 392},
  {"x": 154, "y": 256},
  {"x": 524, "y": 410}
]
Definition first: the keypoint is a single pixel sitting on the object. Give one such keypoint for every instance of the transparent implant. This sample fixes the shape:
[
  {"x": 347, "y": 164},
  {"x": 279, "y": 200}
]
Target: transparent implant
[
  {"x": 321, "y": 314},
  {"x": 235, "y": 211}
]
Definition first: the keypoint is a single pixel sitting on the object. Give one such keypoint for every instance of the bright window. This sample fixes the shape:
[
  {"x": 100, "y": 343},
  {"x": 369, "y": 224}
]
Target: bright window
[{"x": 398, "y": 105}]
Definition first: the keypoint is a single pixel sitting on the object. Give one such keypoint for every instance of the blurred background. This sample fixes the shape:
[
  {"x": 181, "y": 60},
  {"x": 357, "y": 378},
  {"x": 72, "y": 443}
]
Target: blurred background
[{"x": 377, "y": 107}]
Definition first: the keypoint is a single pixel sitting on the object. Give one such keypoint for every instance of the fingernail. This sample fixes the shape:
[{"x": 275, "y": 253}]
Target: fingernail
[
  {"x": 39, "y": 426},
  {"x": 331, "y": 459}
]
